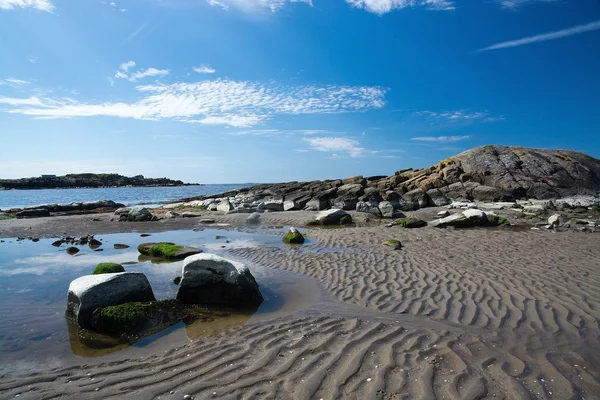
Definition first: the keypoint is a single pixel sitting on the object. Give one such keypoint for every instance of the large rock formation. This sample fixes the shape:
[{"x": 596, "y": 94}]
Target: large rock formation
[
  {"x": 212, "y": 280},
  {"x": 485, "y": 174}
]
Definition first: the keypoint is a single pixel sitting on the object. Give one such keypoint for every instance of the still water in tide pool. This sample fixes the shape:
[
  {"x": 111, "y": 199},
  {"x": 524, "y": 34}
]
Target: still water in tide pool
[{"x": 35, "y": 277}]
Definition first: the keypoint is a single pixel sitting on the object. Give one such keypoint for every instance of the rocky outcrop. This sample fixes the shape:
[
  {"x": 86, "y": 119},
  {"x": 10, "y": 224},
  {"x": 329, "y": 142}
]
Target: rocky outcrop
[
  {"x": 212, "y": 280},
  {"x": 137, "y": 215},
  {"x": 46, "y": 210},
  {"x": 470, "y": 218},
  {"x": 167, "y": 251},
  {"x": 88, "y": 293},
  {"x": 87, "y": 181},
  {"x": 482, "y": 174}
]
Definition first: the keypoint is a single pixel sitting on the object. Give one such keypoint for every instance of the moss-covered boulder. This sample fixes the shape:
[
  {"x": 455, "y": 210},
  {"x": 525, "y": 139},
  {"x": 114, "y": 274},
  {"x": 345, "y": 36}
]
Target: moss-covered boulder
[
  {"x": 333, "y": 217},
  {"x": 167, "y": 251},
  {"x": 139, "y": 319},
  {"x": 293, "y": 237},
  {"x": 410, "y": 223},
  {"x": 394, "y": 244},
  {"x": 108, "y": 268}
]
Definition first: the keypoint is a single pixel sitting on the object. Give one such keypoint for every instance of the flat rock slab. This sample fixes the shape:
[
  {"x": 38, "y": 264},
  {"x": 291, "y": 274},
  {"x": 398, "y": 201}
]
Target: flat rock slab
[
  {"x": 181, "y": 253},
  {"x": 90, "y": 292}
]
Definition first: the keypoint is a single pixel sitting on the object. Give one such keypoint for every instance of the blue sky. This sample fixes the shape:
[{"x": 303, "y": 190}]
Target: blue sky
[{"x": 216, "y": 91}]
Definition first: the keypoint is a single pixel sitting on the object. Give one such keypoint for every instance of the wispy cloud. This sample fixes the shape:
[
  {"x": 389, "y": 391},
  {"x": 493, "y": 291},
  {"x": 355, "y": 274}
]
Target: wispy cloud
[
  {"x": 441, "y": 139},
  {"x": 224, "y": 102},
  {"x": 381, "y": 7},
  {"x": 113, "y": 5},
  {"x": 514, "y": 4},
  {"x": 575, "y": 30},
  {"x": 42, "y": 5},
  {"x": 13, "y": 82},
  {"x": 204, "y": 69},
  {"x": 255, "y": 5},
  {"x": 456, "y": 116},
  {"x": 135, "y": 33},
  {"x": 282, "y": 132},
  {"x": 335, "y": 145},
  {"x": 123, "y": 72}
]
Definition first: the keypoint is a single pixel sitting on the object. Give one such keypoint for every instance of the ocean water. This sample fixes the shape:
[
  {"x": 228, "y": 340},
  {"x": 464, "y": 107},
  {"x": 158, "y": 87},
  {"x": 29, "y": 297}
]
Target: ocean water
[{"x": 129, "y": 196}]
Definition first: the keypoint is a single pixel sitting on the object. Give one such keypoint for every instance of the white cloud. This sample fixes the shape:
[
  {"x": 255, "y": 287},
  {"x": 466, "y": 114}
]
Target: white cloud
[
  {"x": 42, "y": 5},
  {"x": 336, "y": 144},
  {"x": 204, "y": 69},
  {"x": 441, "y": 139},
  {"x": 381, "y": 7},
  {"x": 234, "y": 103},
  {"x": 255, "y": 5},
  {"x": 575, "y": 30},
  {"x": 124, "y": 68},
  {"x": 13, "y": 82},
  {"x": 514, "y": 4}
]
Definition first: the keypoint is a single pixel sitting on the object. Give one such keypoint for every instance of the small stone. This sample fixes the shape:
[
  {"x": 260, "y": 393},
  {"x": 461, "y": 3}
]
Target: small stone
[
  {"x": 120, "y": 246},
  {"x": 187, "y": 397},
  {"x": 145, "y": 235},
  {"x": 177, "y": 280},
  {"x": 72, "y": 250}
]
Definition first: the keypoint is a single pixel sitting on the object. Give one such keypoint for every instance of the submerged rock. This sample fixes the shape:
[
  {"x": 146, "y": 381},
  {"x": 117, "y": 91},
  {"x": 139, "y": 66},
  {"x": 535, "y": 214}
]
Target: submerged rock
[
  {"x": 293, "y": 237},
  {"x": 72, "y": 250},
  {"x": 213, "y": 280},
  {"x": 168, "y": 251},
  {"x": 120, "y": 246},
  {"x": 90, "y": 292}
]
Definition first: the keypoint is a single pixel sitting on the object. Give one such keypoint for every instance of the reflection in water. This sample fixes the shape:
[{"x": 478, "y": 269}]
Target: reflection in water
[
  {"x": 90, "y": 344},
  {"x": 199, "y": 327}
]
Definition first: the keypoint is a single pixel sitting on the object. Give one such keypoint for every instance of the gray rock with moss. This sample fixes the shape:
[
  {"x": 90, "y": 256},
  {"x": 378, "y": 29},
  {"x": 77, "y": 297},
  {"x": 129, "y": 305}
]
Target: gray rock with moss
[
  {"x": 212, "y": 280},
  {"x": 108, "y": 268},
  {"x": 168, "y": 251},
  {"x": 410, "y": 223},
  {"x": 137, "y": 318},
  {"x": 293, "y": 237},
  {"x": 90, "y": 292}
]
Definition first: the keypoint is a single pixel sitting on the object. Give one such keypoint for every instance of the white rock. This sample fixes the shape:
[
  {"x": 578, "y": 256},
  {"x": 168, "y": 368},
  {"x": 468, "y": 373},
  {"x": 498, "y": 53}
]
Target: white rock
[
  {"x": 90, "y": 292},
  {"x": 224, "y": 206},
  {"x": 473, "y": 213},
  {"x": 554, "y": 221},
  {"x": 443, "y": 214},
  {"x": 387, "y": 209},
  {"x": 253, "y": 218},
  {"x": 331, "y": 217}
]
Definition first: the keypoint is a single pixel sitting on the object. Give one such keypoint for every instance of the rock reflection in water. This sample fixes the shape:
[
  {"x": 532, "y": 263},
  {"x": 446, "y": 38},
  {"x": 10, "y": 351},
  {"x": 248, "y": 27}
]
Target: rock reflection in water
[
  {"x": 89, "y": 344},
  {"x": 201, "y": 326}
]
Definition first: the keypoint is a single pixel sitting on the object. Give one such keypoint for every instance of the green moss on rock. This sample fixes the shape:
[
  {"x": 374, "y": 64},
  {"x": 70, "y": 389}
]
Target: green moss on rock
[
  {"x": 293, "y": 237},
  {"x": 137, "y": 318},
  {"x": 393, "y": 243},
  {"x": 108, "y": 268},
  {"x": 312, "y": 222},
  {"x": 410, "y": 223},
  {"x": 345, "y": 220},
  {"x": 166, "y": 250}
]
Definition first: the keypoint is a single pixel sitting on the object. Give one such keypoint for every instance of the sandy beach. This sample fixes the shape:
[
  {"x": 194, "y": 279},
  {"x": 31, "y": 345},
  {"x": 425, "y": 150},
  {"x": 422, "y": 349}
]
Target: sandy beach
[{"x": 456, "y": 314}]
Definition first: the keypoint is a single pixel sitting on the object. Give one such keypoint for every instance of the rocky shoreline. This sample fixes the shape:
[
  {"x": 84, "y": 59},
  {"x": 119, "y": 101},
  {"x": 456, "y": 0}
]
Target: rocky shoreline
[{"x": 79, "y": 181}]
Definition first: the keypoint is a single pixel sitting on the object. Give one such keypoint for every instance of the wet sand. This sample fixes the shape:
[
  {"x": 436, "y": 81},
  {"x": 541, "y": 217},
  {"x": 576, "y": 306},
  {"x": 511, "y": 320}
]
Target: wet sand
[{"x": 455, "y": 314}]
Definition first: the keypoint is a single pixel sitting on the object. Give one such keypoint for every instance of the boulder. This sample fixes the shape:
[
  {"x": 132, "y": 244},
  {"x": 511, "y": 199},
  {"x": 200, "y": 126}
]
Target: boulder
[
  {"x": 212, "y": 280},
  {"x": 108, "y": 268},
  {"x": 293, "y": 237},
  {"x": 253, "y": 218},
  {"x": 368, "y": 207},
  {"x": 168, "y": 251},
  {"x": 122, "y": 211},
  {"x": 417, "y": 198},
  {"x": 172, "y": 215},
  {"x": 437, "y": 198},
  {"x": 274, "y": 204},
  {"x": 488, "y": 194},
  {"x": 139, "y": 215},
  {"x": 554, "y": 221},
  {"x": 224, "y": 206},
  {"x": 346, "y": 202},
  {"x": 72, "y": 250},
  {"x": 358, "y": 180},
  {"x": 88, "y": 293},
  {"x": 333, "y": 217},
  {"x": 386, "y": 209}
]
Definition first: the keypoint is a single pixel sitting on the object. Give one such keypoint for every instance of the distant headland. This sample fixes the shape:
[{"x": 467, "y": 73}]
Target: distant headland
[{"x": 87, "y": 180}]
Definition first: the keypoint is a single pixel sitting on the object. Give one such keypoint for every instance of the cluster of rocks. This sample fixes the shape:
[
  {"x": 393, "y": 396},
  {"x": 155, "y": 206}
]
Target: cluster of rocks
[
  {"x": 46, "y": 210},
  {"x": 88, "y": 181},
  {"x": 483, "y": 174},
  {"x": 114, "y": 302}
]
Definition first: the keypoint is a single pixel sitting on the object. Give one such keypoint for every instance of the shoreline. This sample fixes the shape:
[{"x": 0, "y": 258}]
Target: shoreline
[{"x": 519, "y": 314}]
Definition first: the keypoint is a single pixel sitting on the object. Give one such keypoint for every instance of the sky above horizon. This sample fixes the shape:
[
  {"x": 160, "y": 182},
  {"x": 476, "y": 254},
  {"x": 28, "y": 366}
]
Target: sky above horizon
[{"x": 232, "y": 91}]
